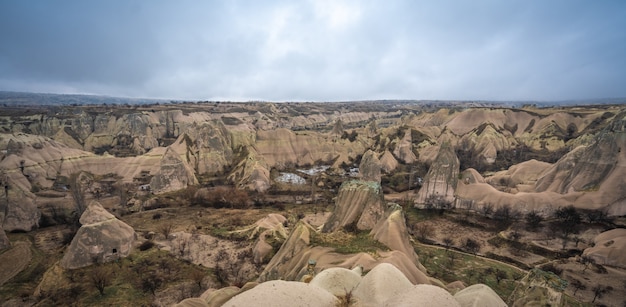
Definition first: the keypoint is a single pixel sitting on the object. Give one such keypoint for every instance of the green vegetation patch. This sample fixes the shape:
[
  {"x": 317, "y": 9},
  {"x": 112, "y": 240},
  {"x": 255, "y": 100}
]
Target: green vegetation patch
[{"x": 348, "y": 243}]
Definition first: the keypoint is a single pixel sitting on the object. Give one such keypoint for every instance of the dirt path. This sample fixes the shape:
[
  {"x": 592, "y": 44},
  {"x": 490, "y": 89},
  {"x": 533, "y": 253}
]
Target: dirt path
[{"x": 14, "y": 260}]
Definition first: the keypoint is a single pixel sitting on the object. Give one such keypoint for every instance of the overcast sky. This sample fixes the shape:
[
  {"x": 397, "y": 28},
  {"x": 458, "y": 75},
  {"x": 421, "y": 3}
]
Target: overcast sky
[{"x": 316, "y": 50}]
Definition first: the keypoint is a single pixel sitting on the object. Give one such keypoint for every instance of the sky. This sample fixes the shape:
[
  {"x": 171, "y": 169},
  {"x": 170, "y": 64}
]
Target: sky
[{"x": 317, "y": 50}]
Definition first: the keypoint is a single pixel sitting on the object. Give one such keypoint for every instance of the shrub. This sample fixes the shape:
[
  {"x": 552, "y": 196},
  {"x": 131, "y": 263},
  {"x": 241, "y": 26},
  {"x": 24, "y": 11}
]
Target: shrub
[{"x": 146, "y": 245}]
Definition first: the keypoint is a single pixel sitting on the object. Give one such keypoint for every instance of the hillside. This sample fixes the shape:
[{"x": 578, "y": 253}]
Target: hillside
[{"x": 466, "y": 202}]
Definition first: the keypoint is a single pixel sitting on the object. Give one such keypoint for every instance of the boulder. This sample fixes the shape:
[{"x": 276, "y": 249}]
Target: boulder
[
  {"x": 479, "y": 295},
  {"x": 360, "y": 203},
  {"x": 284, "y": 293},
  {"x": 101, "y": 238},
  {"x": 338, "y": 281},
  {"x": 381, "y": 284},
  {"x": 192, "y": 302},
  {"x": 423, "y": 296},
  {"x": 217, "y": 298},
  {"x": 609, "y": 248}
]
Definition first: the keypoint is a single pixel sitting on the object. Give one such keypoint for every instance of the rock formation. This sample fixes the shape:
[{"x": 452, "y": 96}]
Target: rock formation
[
  {"x": 284, "y": 293},
  {"x": 338, "y": 281},
  {"x": 609, "y": 248},
  {"x": 370, "y": 167},
  {"x": 404, "y": 149},
  {"x": 391, "y": 230},
  {"x": 101, "y": 238},
  {"x": 21, "y": 212},
  {"x": 424, "y": 296},
  {"x": 388, "y": 162},
  {"x": 479, "y": 295},
  {"x": 173, "y": 174},
  {"x": 382, "y": 283},
  {"x": 360, "y": 203},
  {"x": 587, "y": 167},
  {"x": 442, "y": 177}
]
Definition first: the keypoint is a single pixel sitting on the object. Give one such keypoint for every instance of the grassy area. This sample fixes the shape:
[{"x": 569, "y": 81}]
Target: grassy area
[
  {"x": 131, "y": 281},
  {"x": 25, "y": 282},
  {"x": 449, "y": 266},
  {"x": 348, "y": 243}
]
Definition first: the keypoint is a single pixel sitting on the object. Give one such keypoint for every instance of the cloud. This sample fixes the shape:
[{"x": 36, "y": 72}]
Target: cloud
[{"x": 316, "y": 50}]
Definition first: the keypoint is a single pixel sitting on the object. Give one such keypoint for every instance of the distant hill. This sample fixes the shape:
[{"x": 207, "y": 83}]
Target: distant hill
[
  {"x": 28, "y": 99},
  {"x": 8, "y": 98}
]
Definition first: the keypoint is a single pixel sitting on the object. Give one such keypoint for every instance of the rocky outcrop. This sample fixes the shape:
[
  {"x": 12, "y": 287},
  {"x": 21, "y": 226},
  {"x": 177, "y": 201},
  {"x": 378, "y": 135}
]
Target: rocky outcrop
[
  {"x": 22, "y": 214},
  {"x": 391, "y": 230},
  {"x": 442, "y": 177},
  {"x": 424, "y": 296},
  {"x": 587, "y": 167},
  {"x": 360, "y": 203},
  {"x": 382, "y": 283},
  {"x": 101, "y": 238},
  {"x": 270, "y": 227},
  {"x": 479, "y": 295},
  {"x": 208, "y": 147},
  {"x": 338, "y": 281},
  {"x": 173, "y": 174},
  {"x": 388, "y": 162},
  {"x": 609, "y": 248},
  {"x": 370, "y": 167},
  {"x": 404, "y": 149},
  {"x": 485, "y": 141},
  {"x": 284, "y": 293},
  {"x": 252, "y": 171}
]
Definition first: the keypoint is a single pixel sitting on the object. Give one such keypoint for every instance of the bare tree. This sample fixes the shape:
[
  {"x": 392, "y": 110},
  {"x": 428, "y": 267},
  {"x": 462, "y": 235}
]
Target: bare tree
[
  {"x": 487, "y": 209},
  {"x": 599, "y": 291},
  {"x": 447, "y": 242},
  {"x": 472, "y": 246},
  {"x": 577, "y": 285},
  {"x": 166, "y": 229},
  {"x": 101, "y": 277},
  {"x": 500, "y": 275},
  {"x": 424, "y": 230},
  {"x": 533, "y": 220},
  {"x": 198, "y": 276}
]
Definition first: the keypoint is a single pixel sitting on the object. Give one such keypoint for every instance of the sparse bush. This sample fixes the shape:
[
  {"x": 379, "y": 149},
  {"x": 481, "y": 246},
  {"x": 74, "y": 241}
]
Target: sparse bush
[
  {"x": 101, "y": 277},
  {"x": 533, "y": 220},
  {"x": 146, "y": 245},
  {"x": 166, "y": 229},
  {"x": 424, "y": 231},
  {"x": 550, "y": 267},
  {"x": 472, "y": 246},
  {"x": 222, "y": 196}
]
